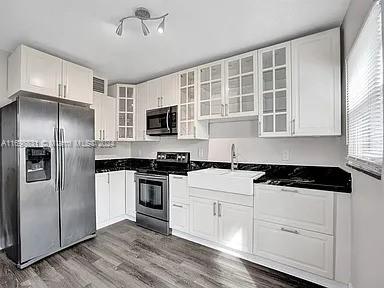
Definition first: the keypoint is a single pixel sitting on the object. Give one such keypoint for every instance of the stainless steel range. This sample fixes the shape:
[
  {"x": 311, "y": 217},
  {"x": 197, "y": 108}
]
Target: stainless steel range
[{"x": 152, "y": 193}]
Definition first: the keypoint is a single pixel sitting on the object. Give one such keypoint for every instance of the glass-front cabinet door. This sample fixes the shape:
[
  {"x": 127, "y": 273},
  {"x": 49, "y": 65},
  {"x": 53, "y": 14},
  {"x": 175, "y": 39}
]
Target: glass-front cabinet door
[
  {"x": 274, "y": 90},
  {"x": 125, "y": 112},
  {"x": 211, "y": 91},
  {"x": 241, "y": 85},
  {"x": 187, "y": 102}
]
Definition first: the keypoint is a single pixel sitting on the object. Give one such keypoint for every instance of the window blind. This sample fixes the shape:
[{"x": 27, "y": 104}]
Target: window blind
[{"x": 364, "y": 75}]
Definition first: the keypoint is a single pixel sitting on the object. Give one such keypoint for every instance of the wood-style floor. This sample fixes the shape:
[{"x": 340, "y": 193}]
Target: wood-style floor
[{"x": 124, "y": 255}]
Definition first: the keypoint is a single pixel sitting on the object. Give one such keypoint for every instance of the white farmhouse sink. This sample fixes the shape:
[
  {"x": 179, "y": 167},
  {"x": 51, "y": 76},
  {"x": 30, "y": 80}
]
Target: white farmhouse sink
[{"x": 224, "y": 180}]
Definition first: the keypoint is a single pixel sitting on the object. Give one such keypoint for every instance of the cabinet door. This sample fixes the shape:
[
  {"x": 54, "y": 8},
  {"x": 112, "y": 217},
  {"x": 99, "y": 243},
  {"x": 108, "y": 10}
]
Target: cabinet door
[
  {"x": 241, "y": 85},
  {"x": 102, "y": 198},
  {"x": 169, "y": 90},
  {"x": 187, "y": 104},
  {"x": 309, "y": 251},
  {"x": 78, "y": 83},
  {"x": 154, "y": 91},
  {"x": 179, "y": 218},
  {"x": 316, "y": 82},
  {"x": 41, "y": 73},
  {"x": 141, "y": 103},
  {"x": 117, "y": 194},
  {"x": 211, "y": 91},
  {"x": 97, "y": 106},
  {"x": 125, "y": 112},
  {"x": 130, "y": 194},
  {"x": 178, "y": 188},
  {"x": 109, "y": 118},
  {"x": 275, "y": 90},
  {"x": 235, "y": 226},
  {"x": 203, "y": 218},
  {"x": 303, "y": 208}
]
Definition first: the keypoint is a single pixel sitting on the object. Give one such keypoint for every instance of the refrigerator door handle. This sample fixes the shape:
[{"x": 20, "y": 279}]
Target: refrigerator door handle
[
  {"x": 57, "y": 167},
  {"x": 62, "y": 159}
]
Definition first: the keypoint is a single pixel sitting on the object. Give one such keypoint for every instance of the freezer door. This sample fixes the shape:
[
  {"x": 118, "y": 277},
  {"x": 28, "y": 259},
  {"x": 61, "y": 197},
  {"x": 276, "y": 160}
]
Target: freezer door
[
  {"x": 39, "y": 200},
  {"x": 77, "y": 193}
]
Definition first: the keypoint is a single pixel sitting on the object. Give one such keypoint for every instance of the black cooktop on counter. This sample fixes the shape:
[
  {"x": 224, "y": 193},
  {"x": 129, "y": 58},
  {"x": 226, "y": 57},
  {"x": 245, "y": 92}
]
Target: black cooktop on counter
[{"x": 311, "y": 177}]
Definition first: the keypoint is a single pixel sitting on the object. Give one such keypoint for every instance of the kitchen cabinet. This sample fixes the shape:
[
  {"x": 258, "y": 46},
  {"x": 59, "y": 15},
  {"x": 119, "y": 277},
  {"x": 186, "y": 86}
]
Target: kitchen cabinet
[
  {"x": 316, "y": 95},
  {"x": 306, "y": 250},
  {"x": 235, "y": 226},
  {"x": 30, "y": 70},
  {"x": 143, "y": 103},
  {"x": 298, "y": 207},
  {"x": 116, "y": 194},
  {"x": 188, "y": 125},
  {"x": 77, "y": 83},
  {"x": 203, "y": 218},
  {"x": 211, "y": 91},
  {"x": 154, "y": 91},
  {"x": 125, "y": 110},
  {"x": 130, "y": 195},
  {"x": 241, "y": 97},
  {"x": 105, "y": 117},
  {"x": 169, "y": 90},
  {"x": 228, "y": 224},
  {"x": 179, "y": 207},
  {"x": 178, "y": 188},
  {"x": 179, "y": 218},
  {"x": 275, "y": 90},
  {"x": 110, "y": 197}
]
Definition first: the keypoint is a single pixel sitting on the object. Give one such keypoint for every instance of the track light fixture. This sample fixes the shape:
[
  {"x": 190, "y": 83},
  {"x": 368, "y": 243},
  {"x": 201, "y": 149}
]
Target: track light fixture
[{"x": 143, "y": 15}]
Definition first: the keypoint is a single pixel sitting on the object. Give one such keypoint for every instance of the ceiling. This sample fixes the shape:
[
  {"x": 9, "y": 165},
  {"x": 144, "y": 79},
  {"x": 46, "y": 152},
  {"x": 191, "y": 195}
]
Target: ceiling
[{"x": 197, "y": 31}]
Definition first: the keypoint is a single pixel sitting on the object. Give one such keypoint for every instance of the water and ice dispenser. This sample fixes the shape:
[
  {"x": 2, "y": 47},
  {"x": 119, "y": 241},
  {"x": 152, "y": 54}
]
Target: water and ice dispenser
[{"x": 38, "y": 164}]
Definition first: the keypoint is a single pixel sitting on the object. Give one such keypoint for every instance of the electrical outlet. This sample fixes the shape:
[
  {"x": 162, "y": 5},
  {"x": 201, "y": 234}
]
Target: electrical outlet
[{"x": 285, "y": 155}]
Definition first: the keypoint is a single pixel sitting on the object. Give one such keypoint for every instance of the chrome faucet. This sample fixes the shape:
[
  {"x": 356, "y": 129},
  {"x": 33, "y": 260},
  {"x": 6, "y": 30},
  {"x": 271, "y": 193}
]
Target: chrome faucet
[{"x": 233, "y": 158}]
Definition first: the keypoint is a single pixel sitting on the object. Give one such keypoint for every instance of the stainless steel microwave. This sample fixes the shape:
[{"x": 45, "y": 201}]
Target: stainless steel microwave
[{"x": 162, "y": 121}]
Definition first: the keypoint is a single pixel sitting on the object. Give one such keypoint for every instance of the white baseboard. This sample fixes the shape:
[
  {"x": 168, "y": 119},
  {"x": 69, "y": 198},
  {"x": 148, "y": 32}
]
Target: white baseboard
[
  {"x": 265, "y": 262},
  {"x": 115, "y": 220}
]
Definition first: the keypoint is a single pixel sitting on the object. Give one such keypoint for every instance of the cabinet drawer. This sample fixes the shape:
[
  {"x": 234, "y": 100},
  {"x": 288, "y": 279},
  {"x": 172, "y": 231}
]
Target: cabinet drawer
[
  {"x": 179, "y": 219},
  {"x": 309, "y": 251},
  {"x": 178, "y": 188},
  {"x": 302, "y": 208}
]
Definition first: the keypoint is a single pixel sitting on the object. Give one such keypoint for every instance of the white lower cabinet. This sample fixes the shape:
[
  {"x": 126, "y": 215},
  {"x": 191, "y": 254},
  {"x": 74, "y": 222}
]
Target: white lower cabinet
[
  {"x": 179, "y": 219},
  {"x": 226, "y": 223},
  {"x": 110, "y": 198},
  {"x": 306, "y": 250},
  {"x": 130, "y": 194},
  {"x": 235, "y": 226},
  {"x": 203, "y": 218}
]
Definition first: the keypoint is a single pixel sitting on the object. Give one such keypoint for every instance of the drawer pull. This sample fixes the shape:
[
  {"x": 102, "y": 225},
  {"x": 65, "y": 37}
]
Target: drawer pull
[
  {"x": 289, "y": 230},
  {"x": 178, "y": 177},
  {"x": 178, "y": 206},
  {"x": 290, "y": 190}
]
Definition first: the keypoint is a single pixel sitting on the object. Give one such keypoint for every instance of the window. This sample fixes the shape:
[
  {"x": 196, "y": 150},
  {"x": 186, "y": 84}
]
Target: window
[{"x": 364, "y": 75}]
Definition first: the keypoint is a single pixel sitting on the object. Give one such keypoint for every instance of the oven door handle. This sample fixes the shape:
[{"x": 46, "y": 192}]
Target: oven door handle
[
  {"x": 150, "y": 176},
  {"x": 167, "y": 120}
]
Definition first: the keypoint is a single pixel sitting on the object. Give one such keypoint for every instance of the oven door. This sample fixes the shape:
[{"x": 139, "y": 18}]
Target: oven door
[
  {"x": 152, "y": 195},
  {"x": 158, "y": 121}
]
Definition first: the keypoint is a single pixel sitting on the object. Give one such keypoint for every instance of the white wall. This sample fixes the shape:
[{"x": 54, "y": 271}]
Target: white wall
[
  {"x": 306, "y": 151},
  {"x": 368, "y": 193},
  {"x": 3, "y": 74}
]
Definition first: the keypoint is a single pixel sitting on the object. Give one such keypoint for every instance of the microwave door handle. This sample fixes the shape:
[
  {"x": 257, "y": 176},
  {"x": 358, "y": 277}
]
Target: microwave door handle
[{"x": 169, "y": 129}]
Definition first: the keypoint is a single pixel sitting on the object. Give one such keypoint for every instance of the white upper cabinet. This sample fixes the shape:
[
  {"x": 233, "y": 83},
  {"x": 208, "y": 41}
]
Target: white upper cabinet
[
  {"x": 105, "y": 119},
  {"x": 211, "y": 91},
  {"x": 188, "y": 126},
  {"x": 241, "y": 85},
  {"x": 316, "y": 80},
  {"x": 154, "y": 92},
  {"x": 275, "y": 90},
  {"x": 169, "y": 90},
  {"x": 125, "y": 110},
  {"x": 30, "y": 70},
  {"x": 77, "y": 83}
]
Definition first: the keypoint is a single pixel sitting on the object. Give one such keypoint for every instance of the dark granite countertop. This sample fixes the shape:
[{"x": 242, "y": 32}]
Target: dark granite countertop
[{"x": 311, "y": 177}]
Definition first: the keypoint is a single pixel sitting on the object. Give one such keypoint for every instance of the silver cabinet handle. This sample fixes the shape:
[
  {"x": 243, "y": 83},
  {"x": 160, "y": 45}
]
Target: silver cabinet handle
[
  {"x": 143, "y": 134},
  {"x": 226, "y": 109},
  {"x": 259, "y": 128},
  {"x": 289, "y": 230},
  {"x": 65, "y": 91},
  {"x": 293, "y": 127},
  {"x": 103, "y": 134},
  {"x": 219, "y": 210},
  {"x": 158, "y": 101},
  {"x": 161, "y": 103},
  {"x": 109, "y": 175},
  {"x": 59, "y": 90},
  {"x": 194, "y": 131},
  {"x": 178, "y": 206},
  {"x": 214, "y": 208},
  {"x": 100, "y": 134},
  {"x": 289, "y": 190},
  {"x": 178, "y": 177},
  {"x": 222, "y": 109}
]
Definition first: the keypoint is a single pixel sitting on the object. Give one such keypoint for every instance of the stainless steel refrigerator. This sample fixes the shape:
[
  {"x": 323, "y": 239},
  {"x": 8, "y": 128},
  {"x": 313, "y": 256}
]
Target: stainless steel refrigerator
[{"x": 48, "y": 178}]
